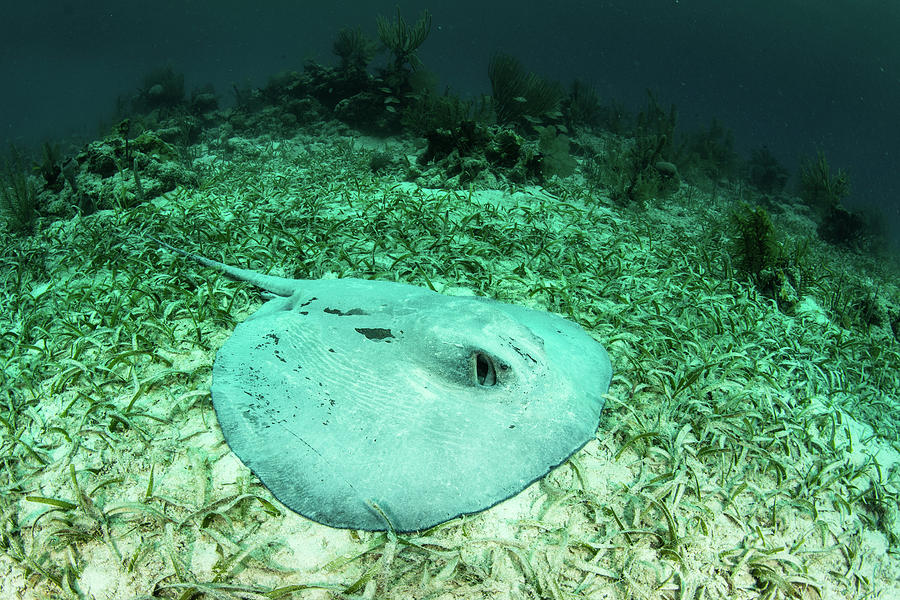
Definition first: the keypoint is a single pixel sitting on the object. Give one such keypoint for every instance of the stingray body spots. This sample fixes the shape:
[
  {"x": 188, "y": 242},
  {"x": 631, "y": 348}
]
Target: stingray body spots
[{"x": 371, "y": 405}]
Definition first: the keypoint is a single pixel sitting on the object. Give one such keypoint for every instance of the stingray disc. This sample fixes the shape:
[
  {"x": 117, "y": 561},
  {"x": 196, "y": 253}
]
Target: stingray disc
[{"x": 371, "y": 405}]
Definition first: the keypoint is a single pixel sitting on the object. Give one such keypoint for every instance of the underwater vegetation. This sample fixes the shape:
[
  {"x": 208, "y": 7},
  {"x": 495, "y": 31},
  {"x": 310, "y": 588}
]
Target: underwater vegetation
[
  {"x": 162, "y": 89},
  {"x": 765, "y": 173},
  {"x": 710, "y": 152},
  {"x": 50, "y": 167},
  {"x": 820, "y": 188},
  {"x": 528, "y": 130},
  {"x": 19, "y": 199},
  {"x": 825, "y": 191},
  {"x": 728, "y": 438},
  {"x": 638, "y": 168},
  {"x": 473, "y": 149},
  {"x": 582, "y": 106},
  {"x": 633, "y": 170},
  {"x": 520, "y": 97},
  {"x": 355, "y": 51},
  {"x": 741, "y": 453},
  {"x": 658, "y": 124},
  {"x": 432, "y": 112},
  {"x": 402, "y": 40},
  {"x": 757, "y": 248},
  {"x": 554, "y": 152},
  {"x": 769, "y": 263}
]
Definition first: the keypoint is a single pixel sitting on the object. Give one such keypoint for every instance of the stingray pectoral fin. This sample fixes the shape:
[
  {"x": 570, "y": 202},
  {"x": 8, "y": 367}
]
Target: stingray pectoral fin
[{"x": 308, "y": 484}]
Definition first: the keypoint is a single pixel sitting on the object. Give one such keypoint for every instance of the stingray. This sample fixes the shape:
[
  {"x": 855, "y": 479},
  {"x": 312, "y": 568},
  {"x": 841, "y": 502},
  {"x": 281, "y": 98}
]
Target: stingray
[{"x": 377, "y": 405}]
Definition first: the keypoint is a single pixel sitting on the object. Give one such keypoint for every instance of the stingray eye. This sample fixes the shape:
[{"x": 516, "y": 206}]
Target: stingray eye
[{"x": 485, "y": 373}]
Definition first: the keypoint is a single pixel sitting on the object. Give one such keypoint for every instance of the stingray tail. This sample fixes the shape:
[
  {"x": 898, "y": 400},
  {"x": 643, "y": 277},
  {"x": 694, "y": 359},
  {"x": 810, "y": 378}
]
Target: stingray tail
[{"x": 280, "y": 286}]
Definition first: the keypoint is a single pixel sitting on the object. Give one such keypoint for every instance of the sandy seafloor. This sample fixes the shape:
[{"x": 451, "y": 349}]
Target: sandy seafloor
[{"x": 743, "y": 452}]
